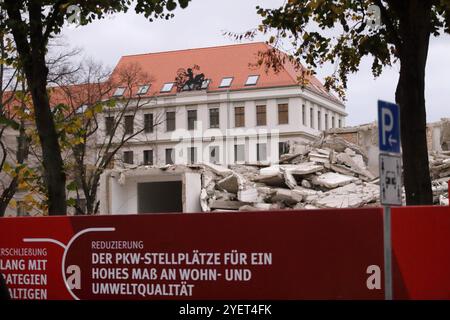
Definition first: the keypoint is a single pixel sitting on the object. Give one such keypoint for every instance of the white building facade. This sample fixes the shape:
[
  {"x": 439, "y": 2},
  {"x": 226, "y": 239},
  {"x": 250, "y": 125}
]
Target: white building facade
[{"x": 247, "y": 118}]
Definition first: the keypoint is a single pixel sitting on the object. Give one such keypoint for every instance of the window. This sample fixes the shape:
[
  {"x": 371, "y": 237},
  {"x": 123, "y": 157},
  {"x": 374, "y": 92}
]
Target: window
[
  {"x": 192, "y": 154},
  {"x": 143, "y": 89},
  {"x": 81, "y": 109},
  {"x": 239, "y": 152},
  {"x": 119, "y": 92},
  {"x": 333, "y": 122},
  {"x": 148, "y": 123},
  {"x": 326, "y": 121},
  {"x": 304, "y": 115},
  {"x": 340, "y": 123},
  {"x": 21, "y": 209},
  {"x": 109, "y": 125},
  {"x": 319, "y": 122},
  {"x": 169, "y": 156},
  {"x": 214, "y": 118},
  {"x": 283, "y": 113},
  {"x": 214, "y": 154},
  {"x": 226, "y": 82},
  {"x": 167, "y": 87},
  {"x": 252, "y": 80},
  {"x": 128, "y": 157},
  {"x": 283, "y": 148},
  {"x": 239, "y": 117},
  {"x": 261, "y": 152},
  {"x": 192, "y": 119},
  {"x": 170, "y": 121},
  {"x": 129, "y": 124},
  {"x": 311, "y": 117},
  {"x": 148, "y": 157},
  {"x": 261, "y": 117}
]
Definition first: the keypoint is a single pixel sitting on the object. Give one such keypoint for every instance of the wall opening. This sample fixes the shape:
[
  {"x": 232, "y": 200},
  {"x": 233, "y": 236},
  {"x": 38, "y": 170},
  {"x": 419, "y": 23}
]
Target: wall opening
[{"x": 159, "y": 197}]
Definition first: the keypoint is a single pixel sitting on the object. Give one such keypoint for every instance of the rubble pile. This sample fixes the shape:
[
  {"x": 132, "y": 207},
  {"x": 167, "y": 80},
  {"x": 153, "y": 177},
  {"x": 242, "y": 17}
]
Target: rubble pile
[
  {"x": 330, "y": 173},
  {"x": 440, "y": 174}
]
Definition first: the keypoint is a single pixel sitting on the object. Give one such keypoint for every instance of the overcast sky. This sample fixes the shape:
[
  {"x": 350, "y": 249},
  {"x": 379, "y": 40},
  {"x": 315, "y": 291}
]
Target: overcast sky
[{"x": 202, "y": 24}]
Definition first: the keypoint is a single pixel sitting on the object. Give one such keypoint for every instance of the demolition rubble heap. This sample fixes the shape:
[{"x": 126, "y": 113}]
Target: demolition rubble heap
[
  {"x": 440, "y": 175},
  {"x": 330, "y": 173}
]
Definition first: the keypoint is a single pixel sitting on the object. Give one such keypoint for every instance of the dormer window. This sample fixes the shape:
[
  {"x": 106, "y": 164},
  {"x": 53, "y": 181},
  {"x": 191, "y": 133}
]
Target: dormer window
[
  {"x": 252, "y": 80},
  {"x": 226, "y": 82},
  {"x": 143, "y": 89},
  {"x": 81, "y": 109},
  {"x": 167, "y": 87},
  {"x": 205, "y": 84},
  {"x": 119, "y": 92}
]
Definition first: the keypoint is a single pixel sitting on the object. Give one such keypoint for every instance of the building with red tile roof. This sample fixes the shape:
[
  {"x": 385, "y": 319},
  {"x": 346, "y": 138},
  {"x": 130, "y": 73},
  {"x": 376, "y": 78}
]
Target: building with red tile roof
[
  {"x": 236, "y": 98},
  {"x": 237, "y": 62}
]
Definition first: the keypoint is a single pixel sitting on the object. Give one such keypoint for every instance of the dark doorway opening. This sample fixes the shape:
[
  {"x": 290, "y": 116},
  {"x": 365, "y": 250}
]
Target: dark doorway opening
[{"x": 159, "y": 197}]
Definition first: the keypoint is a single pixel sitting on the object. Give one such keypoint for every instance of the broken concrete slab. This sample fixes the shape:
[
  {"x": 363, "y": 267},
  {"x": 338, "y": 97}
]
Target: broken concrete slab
[
  {"x": 325, "y": 152},
  {"x": 289, "y": 197},
  {"x": 303, "y": 168},
  {"x": 264, "y": 206},
  {"x": 332, "y": 180},
  {"x": 349, "y": 196},
  {"x": 270, "y": 171},
  {"x": 443, "y": 201},
  {"x": 342, "y": 169},
  {"x": 227, "y": 204},
  {"x": 204, "y": 201},
  {"x": 306, "y": 184},
  {"x": 291, "y": 158},
  {"x": 339, "y": 144},
  {"x": 208, "y": 179},
  {"x": 248, "y": 195},
  {"x": 219, "y": 170},
  {"x": 265, "y": 194},
  {"x": 299, "y": 149},
  {"x": 249, "y": 208},
  {"x": 230, "y": 183},
  {"x": 276, "y": 180},
  {"x": 350, "y": 152},
  {"x": 289, "y": 179},
  {"x": 357, "y": 166},
  {"x": 224, "y": 195},
  {"x": 319, "y": 158}
]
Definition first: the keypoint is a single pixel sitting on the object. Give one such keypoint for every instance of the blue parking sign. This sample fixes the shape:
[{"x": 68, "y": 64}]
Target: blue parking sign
[{"x": 389, "y": 126}]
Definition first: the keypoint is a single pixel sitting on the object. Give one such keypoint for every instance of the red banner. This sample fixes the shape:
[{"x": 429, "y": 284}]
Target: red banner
[
  {"x": 421, "y": 252},
  {"x": 318, "y": 254}
]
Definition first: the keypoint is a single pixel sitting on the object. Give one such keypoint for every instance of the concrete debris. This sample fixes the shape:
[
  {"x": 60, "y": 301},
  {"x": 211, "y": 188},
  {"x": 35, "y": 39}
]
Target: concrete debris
[
  {"x": 332, "y": 180},
  {"x": 306, "y": 184},
  {"x": 349, "y": 196},
  {"x": 290, "y": 197},
  {"x": 443, "y": 200},
  {"x": 440, "y": 190},
  {"x": 248, "y": 195},
  {"x": 219, "y": 170},
  {"x": 230, "y": 183},
  {"x": 329, "y": 173},
  {"x": 204, "y": 201},
  {"x": 227, "y": 204},
  {"x": 275, "y": 180}
]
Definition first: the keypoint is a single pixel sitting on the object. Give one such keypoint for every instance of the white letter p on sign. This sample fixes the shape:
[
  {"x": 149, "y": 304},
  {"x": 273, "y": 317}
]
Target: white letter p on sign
[{"x": 388, "y": 124}]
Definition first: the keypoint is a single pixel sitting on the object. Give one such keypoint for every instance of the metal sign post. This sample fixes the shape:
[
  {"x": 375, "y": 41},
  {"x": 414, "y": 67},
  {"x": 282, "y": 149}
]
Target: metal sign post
[
  {"x": 390, "y": 178},
  {"x": 387, "y": 253}
]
